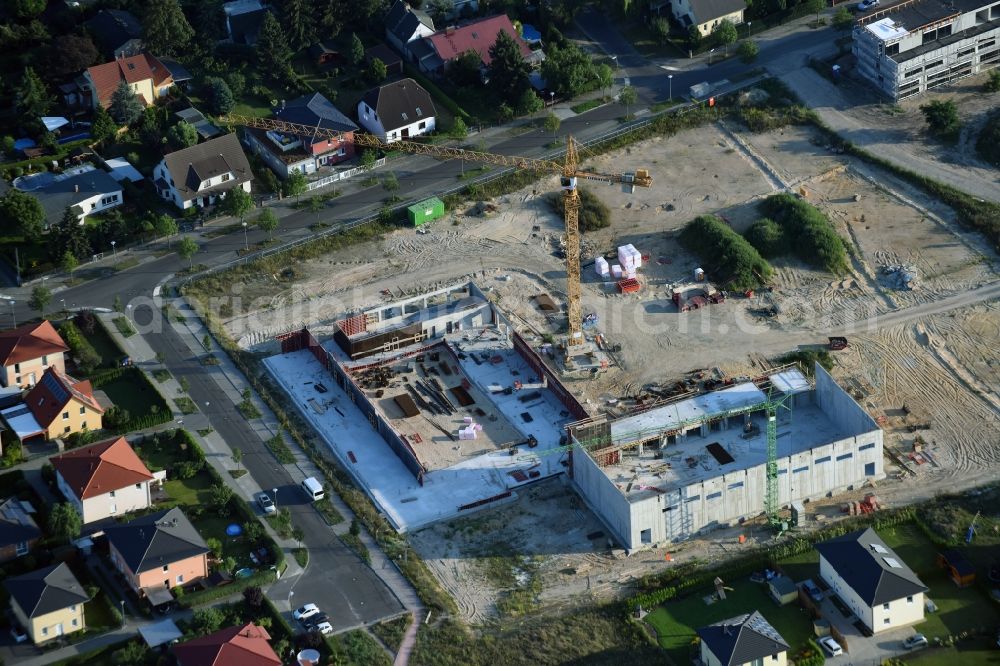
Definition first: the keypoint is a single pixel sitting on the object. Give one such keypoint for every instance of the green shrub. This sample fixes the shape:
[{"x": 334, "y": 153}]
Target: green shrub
[
  {"x": 86, "y": 356},
  {"x": 768, "y": 237},
  {"x": 807, "y": 231},
  {"x": 724, "y": 252},
  {"x": 593, "y": 213},
  {"x": 988, "y": 142}
]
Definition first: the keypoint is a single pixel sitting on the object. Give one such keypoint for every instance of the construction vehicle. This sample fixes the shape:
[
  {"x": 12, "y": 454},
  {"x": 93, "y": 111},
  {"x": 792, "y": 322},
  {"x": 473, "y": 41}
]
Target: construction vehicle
[
  {"x": 837, "y": 343},
  {"x": 568, "y": 170}
]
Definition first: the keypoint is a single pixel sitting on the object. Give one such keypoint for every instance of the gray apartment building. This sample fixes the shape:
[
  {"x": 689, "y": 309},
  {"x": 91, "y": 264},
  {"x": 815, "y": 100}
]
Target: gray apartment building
[{"x": 916, "y": 45}]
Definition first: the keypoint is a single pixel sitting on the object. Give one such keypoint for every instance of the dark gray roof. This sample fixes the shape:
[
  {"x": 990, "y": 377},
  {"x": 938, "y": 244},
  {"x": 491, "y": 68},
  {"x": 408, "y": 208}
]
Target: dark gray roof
[
  {"x": 178, "y": 72},
  {"x": 244, "y": 27},
  {"x": 202, "y": 159},
  {"x": 707, "y": 10},
  {"x": 315, "y": 110},
  {"x": 402, "y": 20},
  {"x": 151, "y": 541},
  {"x": 16, "y": 525},
  {"x": 870, "y": 567},
  {"x": 196, "y": 119},
  {"x": 46, "y": 590},
  {"x": 62, "y": 194},
  {"x": 112, "y": 28},
  {"x": 742, "y": 639},
  {"x": 400, "y": 103}
]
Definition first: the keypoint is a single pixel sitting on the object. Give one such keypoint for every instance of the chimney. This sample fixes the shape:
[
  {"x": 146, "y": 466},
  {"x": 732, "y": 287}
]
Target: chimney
[{"x": 76, "y": 187}]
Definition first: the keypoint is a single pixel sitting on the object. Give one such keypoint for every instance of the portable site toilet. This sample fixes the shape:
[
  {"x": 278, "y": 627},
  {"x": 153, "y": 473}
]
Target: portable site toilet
[{"x": 424, "y": 211}]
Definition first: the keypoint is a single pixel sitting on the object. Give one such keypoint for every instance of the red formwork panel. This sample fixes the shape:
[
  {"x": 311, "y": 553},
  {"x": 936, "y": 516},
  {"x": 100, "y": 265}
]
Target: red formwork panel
[{"x": 629, "y": 286}]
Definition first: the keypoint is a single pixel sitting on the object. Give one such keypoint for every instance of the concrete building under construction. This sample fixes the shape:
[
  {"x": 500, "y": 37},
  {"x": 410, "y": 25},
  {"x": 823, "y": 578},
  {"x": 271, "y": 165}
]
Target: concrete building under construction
[{"x": 677, "y": 468}]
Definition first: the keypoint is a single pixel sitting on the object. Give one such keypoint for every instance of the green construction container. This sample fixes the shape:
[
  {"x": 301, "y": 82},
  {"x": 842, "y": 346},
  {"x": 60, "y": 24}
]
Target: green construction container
[{"x": 425, "y": 211}]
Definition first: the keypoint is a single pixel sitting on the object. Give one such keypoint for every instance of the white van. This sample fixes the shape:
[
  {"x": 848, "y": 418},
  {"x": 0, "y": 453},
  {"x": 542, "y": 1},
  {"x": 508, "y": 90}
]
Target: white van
[{"x": 312, "y": 488}]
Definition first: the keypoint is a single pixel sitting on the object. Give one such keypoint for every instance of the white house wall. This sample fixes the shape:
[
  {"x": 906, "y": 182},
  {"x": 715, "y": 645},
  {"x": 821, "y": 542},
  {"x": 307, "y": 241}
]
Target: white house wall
[{"x": 370, "y": 121}]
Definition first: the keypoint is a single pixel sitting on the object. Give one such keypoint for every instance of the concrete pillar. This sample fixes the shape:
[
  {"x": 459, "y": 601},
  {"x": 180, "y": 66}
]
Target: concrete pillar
[
  {"x": 639, "y": 450},
  {"x": 704, "y": 429}
]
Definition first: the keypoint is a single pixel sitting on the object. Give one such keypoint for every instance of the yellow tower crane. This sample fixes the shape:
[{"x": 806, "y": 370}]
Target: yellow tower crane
[{"x": 568, "y": 170}]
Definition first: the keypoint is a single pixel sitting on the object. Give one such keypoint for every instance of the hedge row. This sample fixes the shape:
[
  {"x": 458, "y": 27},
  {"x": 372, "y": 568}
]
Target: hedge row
[
  {"x": 724, "y": 252},
  {"x": 202, "y": 597},
  {"x": 670, "y": 584},
  {"x": 806, "y": 230},
  {"x": 438, "y": 94},
  {"x": 137, "y": 376},
  {"x": 84, "y": 352}
]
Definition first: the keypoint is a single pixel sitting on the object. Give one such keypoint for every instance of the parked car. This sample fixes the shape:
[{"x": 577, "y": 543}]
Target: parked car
[
  {"x": 865, "y": 5},
  {"x": 915, "y": 641},
  {"x": 306, "y": 611},
  {"x": 18, "y": 633},
  {"x": 831, "y": 646},
  {"x": 324, "y": 628},
  {"x": 314, "y": 621},
  {"x": 812, "y": 590},
  {"x": 265, "y": 503}
]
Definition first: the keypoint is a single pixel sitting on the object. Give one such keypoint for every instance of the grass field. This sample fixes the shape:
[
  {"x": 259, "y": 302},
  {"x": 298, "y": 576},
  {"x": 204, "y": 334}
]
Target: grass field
[
  {"x": 675, "y": 623},
  {"x": 133, "y": 393},
  {"x": 110, "y": 352}
]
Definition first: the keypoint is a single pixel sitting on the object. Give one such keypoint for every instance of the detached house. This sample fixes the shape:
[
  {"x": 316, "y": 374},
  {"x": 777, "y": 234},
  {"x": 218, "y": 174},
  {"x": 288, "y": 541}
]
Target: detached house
[
  {"x": 288, "y": 153},
  {"x": 117, "y": 32},
  {"x": 48, "y": 602},
  {"x": 28, "y": 351},
  {"x": 446, "y": 46},
  {"x": 405, "y": 25},
  {"x": 62, "y": 405},
  {"x": 103, "y": 480},
  {"x": 202, "y": 174},
  {"x": 147, "y": 76},
  {"x": 19, "y": 533},
  {"x": 158, "y": 552},
  {"x": 399, "y": 110},
  {"x": 87, "y": 193},
  {"x": 872, "y": 580},
  {"x": 233, "y": 646},
  {"x": 747, "y": 639},
  {"x": 707, "y": 14}
]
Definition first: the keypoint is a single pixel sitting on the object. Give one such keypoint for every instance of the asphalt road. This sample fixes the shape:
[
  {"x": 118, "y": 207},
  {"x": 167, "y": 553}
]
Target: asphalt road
[{"x": 336, "y": 580}]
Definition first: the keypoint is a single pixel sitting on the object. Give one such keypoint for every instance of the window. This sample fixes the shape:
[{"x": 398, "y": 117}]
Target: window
[
  {"x": 646, "y": 536},
  {"x": 225, "y": 177},
  {"x": 72, "y": 608},
  {"x": 83, "y": 410},
  {"x": 45, "y": 631},
  {"x": 22, "y": 548},
  {"x": 800, "y": 469},
  {"x": 712, "y": 496},
  {"x": 869, "y": 469},
  {"x": 846, "y": 456},
  {"x": 734, "y": 486},
  {"x": 112, "y": 493},
  {"x": 17, "y": 368},
  {"x": 66, "y": 430},
  {"x": 692, "y": 498},
  {"x": 422, "y": 125},
  {"x": 886, "y": 621},
  {"x": 166, "y": 566},
  {"x": 180, "y": 579},
  {"x": 84, "y": 425},
  {"x": 65, "y": 416},
  {"x": 76, "y": 622},
  {"x": 824, "y": 459},
  {"x": 138, "y": 486},
  {"x": 405, "y": 117},
  {"x": 45, "y": 361},
  {"x": 885, "y": 606},
  {"x": 93, "y": 206},
  {"x": 909, "y": 599},
  {"x": 865, "y": 447},
  {"x": 17, "y": 379},
  {"x": 782, "y": 471}
]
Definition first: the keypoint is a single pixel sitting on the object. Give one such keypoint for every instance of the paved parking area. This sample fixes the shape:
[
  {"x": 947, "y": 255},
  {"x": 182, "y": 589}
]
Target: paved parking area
[{"x": 862, "y": 649}]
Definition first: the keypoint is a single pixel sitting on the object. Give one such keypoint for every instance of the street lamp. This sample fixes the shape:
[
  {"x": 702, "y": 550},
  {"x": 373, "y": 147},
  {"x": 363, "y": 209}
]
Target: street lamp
[
  {"x": 711, "y": 51},
  {"x": 670, "y": 78},
  {"x": 552, "y": 97},
  {"x": 122, "y": 602},
  {"x": 13, "y": 319},
  {"x": 615, "y": 58},
  {"x": 748, "y": 29},
  {"x": 275, "y": 491},
  {"x": 246, "y": 239},
  {"x": 114, "y": 253}
]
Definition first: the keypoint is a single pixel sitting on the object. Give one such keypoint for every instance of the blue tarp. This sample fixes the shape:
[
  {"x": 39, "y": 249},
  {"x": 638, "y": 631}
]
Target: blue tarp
[{"x": 530, "y": 33}]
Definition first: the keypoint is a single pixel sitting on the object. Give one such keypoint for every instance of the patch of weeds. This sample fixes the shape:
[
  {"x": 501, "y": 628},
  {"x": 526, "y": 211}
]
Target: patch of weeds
[
  {"x": 210, "y": 359},
  {"x": 392, "y": 632},
  {"x": 353, "y": 541},
  {"x": 281, "y": 452},
  {"x": 318, "y": 226},
  {"x": 124, "y": 327},
  {"x": 583, "y": 107},
  {"x": 125, "y": 265},
  {"x": 161, "y": 375},
  {"x": 204, "y": 432},
  {"x": 248, "y": 410},
  {"x": 329, "y": 513},
  {"x": 237, "y": 473},
  {"x": 301, "y": 556},
  {"x": 186, "y": 405}
]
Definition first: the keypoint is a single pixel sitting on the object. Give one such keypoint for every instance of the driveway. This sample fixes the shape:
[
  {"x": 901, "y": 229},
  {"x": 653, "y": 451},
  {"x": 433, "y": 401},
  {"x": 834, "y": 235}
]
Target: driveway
[{"x": 862, "y": 650}]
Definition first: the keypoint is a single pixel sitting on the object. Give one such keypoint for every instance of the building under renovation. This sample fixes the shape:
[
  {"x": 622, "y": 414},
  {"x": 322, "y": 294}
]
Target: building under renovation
[{"x": 675, "y": 469}]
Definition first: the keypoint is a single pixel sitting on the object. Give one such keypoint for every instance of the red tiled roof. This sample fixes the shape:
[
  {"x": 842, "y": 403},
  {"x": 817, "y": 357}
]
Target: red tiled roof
[
  {"x": 28, "y": 342},
  {"x": 101, "y": 468},
  {"x": 478, "y": 37},
  {"x": 132, "y": 69},
  {"x": 234, "y": 646},
  {"x": 56, "y": 390}
]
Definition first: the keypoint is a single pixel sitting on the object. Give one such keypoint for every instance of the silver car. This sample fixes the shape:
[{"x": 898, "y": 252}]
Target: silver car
[{"x": 265, "y": 503}]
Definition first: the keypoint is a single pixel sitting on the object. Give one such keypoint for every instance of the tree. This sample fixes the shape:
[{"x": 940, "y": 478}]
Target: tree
[
  {"x": 748, "y": 51},
  {"x": 377, "y": 71},
  {"x": 32, "y": 97},
  {"x": 220, "y": 96},
  {"x": 103, "y": 126},
  {"x": 273, "y": 53},
  {"x": 22, "y": 211},
  {"x": 628, "y": 97},
  {"x": 368, "y": 159},
  {"x": 357, "y": 52},
  {"x": 605, "y": 77},
  {"x": 569, "y": 70},
  {"x": 69, "y": 236},
  {"x": 254, "y": 597},
  {"x": 315, "y": 204},
  {"x": 187, "y": 249},
  {"x": 458, "y": 129},
  {"x": 268, "y": 221},
  {"x": 125, "y": 107},
  {"x": 26, "y": 9},
  {"x": 298, "y": 535},
  {"x": 814, "y": 6},
  {"x": 70, "y": 54},
  {"x": 298, "y": 20},
  {"x": 942, "y": 117},
  {"x": 68, "y": 263},
  {"x": 237, "y": 454},
  {"x": 529, "y": 102},
  {"x": 182, "y": 135},
  {"x": 552, "y": 123},
  {"x": 296, "y": 184},
  {"x": 219, "y": 496},
  {"x": 725, "y": 32},
  {"x": 40, "y": 297},
  {"x": 660, "y": 29},
  {"x": 843, "y": 19},
  {"x": 993, "y": 82},
  {"x": 694, "y": 37},
  {"x": 237, "y": 203},
  {"x": 133, "y": 654},
  {"x": 64, "y": 521},
  {"x": 215, "y": 546},
  {"x": 466, "y": 69},
  {"x": 164, "y": 225},
  {"x": 206, "y": 621},
  {"x": 165, "y": 29},
  {"x": 508, "y": 72},
  {"x": 390, "y": 183}
]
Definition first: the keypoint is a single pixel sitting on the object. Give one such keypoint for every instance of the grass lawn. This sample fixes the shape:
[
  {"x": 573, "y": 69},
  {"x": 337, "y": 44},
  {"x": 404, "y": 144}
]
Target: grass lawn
[
  {"x": 645, "y": 43},
  {"x": 134, "y": 394},
  {"x": 676, "y": 622},
  {"x": 191, "y": 492},
  {"x": 97, "y": 613},
  {"x": 210, "y": 524},
  {"x": 110, "y": 352}
]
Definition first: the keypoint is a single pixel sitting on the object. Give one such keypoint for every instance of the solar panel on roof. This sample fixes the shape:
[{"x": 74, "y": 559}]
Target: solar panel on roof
[
  {"x": 55, "y": 388},
  {"x": 878, "y": 548},
  {"x": 893, "y": 562}
]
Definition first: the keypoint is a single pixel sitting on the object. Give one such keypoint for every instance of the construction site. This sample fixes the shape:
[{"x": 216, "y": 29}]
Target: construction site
[{"x": 917, "y": 376}]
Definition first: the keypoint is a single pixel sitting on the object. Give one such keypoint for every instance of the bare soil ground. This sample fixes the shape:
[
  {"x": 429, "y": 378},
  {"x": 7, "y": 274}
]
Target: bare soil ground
[{"x": 926, "y": 360}]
